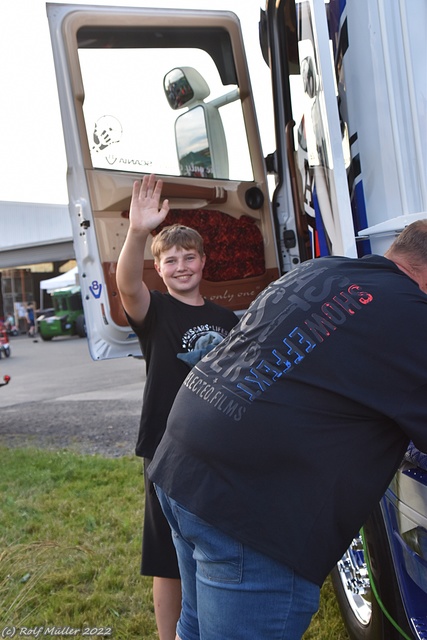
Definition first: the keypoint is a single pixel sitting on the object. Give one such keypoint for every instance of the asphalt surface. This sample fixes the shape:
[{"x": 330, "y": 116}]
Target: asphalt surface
[{"x": 59, "y": 398}]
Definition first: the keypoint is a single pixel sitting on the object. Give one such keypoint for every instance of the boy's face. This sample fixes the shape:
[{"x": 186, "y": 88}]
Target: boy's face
[{"x": 181, "y": 269}]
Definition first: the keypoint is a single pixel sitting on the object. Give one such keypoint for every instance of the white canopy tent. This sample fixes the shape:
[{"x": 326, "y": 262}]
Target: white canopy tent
[{"x": 67, "y": 279}]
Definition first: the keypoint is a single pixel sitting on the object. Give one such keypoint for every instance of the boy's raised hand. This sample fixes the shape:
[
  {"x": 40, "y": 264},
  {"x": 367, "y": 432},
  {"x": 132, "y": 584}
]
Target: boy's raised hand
[{"x": 145, "y": 214}]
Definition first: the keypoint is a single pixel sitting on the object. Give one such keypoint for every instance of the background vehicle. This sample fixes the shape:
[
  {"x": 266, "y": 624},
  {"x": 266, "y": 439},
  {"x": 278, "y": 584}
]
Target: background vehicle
[
  {"x": 68, "y": 317},
  {"x": 348, "y": 84}
]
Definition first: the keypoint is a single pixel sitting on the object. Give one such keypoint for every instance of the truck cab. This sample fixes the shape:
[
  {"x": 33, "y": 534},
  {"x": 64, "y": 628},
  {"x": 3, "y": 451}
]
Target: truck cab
[{"x": 169, "y": 92}]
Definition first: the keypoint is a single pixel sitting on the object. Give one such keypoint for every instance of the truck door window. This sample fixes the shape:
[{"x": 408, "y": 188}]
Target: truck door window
[{"x": 130, "y": 125}]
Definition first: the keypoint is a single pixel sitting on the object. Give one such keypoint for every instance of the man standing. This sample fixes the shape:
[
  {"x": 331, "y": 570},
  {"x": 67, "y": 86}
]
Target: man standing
[{"x": 325, "y": 374}]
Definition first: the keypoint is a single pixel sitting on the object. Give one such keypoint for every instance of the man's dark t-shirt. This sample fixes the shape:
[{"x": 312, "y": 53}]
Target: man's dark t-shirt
[{"x": 286, "y": 435}]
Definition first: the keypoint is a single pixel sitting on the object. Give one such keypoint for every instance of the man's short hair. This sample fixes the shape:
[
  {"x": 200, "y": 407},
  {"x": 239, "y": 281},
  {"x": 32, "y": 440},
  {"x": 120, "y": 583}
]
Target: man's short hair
[
  {"x": 176, "y": 235},
  {"x": 412, "y": 243}
]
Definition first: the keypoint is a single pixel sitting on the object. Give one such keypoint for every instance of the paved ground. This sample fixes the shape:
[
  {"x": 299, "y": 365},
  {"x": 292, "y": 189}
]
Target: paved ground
[{"x": 60, "y": 398}]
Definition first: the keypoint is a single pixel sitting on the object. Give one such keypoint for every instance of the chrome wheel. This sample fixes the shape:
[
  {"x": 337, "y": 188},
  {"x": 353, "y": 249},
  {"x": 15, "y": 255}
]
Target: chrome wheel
[{"x": 353, "y": 573}]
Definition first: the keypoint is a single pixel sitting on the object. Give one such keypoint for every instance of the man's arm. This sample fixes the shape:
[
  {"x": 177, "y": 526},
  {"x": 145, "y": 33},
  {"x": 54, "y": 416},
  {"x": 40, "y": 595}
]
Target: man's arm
[{"x": 144, "y": 217}]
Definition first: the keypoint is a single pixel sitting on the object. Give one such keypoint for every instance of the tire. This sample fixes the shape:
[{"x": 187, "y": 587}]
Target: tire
[
  {"x": 81, "y": 326},
  {"x": 46, "y": 338},
  {"x": 361, "y": 612},
  {"x": 7, "y": 352}
]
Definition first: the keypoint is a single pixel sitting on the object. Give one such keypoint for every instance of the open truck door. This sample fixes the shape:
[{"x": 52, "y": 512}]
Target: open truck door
[
  {"x": 168, "y": 92},
  {"x": 165, "y": 92},
  {"x": 311, "y": 145},
  {"x": 349, "y": 88}
]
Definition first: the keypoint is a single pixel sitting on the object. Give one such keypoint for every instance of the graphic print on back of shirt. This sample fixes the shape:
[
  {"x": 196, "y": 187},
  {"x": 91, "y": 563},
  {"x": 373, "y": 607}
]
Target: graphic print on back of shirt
[{"x": 321, "y": 309}]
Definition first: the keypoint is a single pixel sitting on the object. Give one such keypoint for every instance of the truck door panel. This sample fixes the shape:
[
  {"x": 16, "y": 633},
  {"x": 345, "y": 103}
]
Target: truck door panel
[{"x": 132, "y": 87}]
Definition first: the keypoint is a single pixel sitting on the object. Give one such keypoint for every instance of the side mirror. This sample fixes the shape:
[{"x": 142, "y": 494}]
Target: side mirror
[
  {"x": 201, "y": 143},
  {"x": 199, "y": 132},
  {"x": 184, "y": 86}
]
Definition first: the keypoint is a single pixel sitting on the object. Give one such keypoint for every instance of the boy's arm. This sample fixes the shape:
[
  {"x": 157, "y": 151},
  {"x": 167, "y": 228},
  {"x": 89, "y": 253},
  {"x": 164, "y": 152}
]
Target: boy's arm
[{"x": 144, "y": 217}]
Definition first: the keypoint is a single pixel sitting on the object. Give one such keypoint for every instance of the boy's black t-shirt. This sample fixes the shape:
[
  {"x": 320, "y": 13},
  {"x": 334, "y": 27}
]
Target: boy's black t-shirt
[
  {"x": 173, "y": 336},
  {"x": 287, "y": 434}
]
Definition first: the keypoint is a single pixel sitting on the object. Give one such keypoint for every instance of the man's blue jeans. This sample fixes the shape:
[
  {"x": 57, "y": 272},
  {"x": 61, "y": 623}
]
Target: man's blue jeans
[{"x": 232, "y": 592}]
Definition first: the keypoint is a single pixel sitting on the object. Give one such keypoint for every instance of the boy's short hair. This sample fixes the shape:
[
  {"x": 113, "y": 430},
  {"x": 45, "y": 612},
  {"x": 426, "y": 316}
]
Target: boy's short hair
[{"x": 176, "y": 235}]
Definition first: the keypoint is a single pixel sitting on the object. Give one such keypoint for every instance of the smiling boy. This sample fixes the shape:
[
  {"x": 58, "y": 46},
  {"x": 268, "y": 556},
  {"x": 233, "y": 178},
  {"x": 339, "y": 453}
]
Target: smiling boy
[{"x": 174, "y": 329}]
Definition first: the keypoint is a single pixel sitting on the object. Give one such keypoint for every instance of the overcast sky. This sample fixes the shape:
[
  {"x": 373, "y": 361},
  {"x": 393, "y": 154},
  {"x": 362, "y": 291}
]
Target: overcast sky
[{"x": 32, "y": 158}]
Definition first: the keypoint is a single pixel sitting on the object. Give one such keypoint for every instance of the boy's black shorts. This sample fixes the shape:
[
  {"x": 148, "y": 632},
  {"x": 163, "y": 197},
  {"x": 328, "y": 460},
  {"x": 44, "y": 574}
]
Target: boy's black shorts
[{"x": 158, "y": 551}]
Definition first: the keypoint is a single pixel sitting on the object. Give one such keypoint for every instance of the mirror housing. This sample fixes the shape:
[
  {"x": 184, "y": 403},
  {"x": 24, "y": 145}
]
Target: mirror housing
[{"x": 184, "y": 86}]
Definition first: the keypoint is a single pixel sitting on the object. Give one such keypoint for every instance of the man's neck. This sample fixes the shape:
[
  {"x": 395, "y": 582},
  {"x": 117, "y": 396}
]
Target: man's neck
[
  {"x": 402, "y": 266},
  {"x": 418, "y": 275}
]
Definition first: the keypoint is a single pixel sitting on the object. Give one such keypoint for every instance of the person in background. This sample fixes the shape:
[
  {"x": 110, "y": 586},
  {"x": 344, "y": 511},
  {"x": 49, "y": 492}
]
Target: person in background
[
  {"x": 31, "y": 320},
  {"x": 175, "y": 329},
  {"x": 284, "y": 437},
  {"x": 10, "y": 325}
]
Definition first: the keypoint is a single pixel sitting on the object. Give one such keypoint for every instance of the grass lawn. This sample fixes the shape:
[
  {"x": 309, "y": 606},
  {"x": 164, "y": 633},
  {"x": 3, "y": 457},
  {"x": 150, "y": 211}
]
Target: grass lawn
[{"x": 70, "y": 538}]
